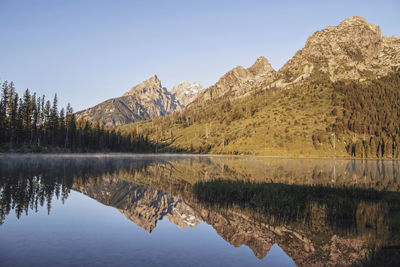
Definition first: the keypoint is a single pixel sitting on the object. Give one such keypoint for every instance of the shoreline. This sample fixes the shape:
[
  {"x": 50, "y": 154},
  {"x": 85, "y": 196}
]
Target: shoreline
[{"x": 146, "y": 155}]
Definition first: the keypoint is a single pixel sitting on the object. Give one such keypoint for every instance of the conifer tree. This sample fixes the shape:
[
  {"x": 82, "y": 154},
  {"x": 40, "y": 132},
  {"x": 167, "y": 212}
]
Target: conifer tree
[
  {"x": 3, "y": 112},
  {"x": 34, "y": 122}
]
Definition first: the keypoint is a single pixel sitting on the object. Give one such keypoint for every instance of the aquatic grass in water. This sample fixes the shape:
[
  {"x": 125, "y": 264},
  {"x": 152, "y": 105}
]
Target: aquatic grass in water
[
  {"x": 288, "y": 203},
  {"x": 349, "y": 220}
]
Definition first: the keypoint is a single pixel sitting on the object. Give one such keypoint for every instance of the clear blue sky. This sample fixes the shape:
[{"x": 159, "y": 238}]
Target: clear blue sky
[{"x": 88, "y": 51}]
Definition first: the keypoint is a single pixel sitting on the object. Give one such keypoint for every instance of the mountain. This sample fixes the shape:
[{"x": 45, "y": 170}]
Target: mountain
[
  {"x": 186, "y": 92},
  {"x": 146, "y": 100},
  {"x": 338, "y": 96},
  {"x": 239, "y": 81},
  {"x": 352, "y": 50}
]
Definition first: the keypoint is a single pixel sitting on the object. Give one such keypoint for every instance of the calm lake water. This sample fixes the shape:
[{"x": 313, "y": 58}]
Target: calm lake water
[{"x": 175, "y": 210}]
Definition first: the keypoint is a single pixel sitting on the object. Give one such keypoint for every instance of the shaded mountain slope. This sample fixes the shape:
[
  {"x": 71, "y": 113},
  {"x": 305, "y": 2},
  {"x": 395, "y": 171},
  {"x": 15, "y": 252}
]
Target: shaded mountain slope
[{"x": 146, "y": 100}]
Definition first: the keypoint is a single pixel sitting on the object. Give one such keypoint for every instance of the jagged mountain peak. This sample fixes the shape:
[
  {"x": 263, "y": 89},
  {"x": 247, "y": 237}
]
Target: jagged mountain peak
[
  {"x": 186, "y": 92},
  {"x": 153, "y": 83},
  {"x": 261, "y": 66},
  {"x": 240, "y": 81},
  {"x": 354, "y": 49},
  {"x": 354, "y": 20},
  {"x": 185, "y": 83},
  {"x": 147, "y": 100},
  {"x": 353, "y": 25}
]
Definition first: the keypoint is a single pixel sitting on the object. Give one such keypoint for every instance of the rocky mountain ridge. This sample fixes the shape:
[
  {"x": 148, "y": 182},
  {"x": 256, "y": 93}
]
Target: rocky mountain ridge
[
  {"x": 354, "y": 49},
  {"x": 186, "y": 92},
  {"x": 239, "y": 81},
  {"x": 147, "y": 100}
]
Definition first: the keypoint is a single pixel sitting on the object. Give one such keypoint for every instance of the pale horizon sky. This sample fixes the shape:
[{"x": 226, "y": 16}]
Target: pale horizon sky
[{"x": 92, "y": 50}]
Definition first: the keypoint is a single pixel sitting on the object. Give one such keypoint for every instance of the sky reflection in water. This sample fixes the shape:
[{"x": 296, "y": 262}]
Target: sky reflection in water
[{"x": 155, "y": 195}]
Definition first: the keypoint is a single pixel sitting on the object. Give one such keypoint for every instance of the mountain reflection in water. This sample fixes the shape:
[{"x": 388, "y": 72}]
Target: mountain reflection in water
[{"x": 320, "y": 212}]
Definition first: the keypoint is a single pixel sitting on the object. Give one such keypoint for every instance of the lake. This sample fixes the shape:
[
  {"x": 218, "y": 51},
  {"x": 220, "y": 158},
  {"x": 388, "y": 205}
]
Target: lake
[{"x": 194, "y": 210}]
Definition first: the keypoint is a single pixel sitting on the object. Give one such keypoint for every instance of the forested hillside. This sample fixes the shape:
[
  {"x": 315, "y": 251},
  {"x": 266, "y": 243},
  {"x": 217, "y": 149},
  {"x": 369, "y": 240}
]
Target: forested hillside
[
  {"x": 337, "y": 96},
  {"x": 316, "y": 118},
  {"x": 371, "y": 113},
  {"x": 34, "y": 124}
]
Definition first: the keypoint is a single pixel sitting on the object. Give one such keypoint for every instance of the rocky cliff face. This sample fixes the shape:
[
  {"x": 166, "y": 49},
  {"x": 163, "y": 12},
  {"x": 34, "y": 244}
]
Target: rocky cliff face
[
  {"x": 186, "y": 92},
  {"x": 239, "y": 81},
  {"x": 146, "y": 100},
  {"x": 352, "y": 50}
]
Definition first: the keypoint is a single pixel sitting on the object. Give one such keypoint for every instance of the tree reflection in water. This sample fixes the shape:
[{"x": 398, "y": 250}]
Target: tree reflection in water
[{"x": 328, "y": 214}]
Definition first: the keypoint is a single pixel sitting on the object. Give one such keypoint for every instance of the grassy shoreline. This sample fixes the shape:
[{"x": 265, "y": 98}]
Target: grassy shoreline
[{"x": 61, "y": 151}]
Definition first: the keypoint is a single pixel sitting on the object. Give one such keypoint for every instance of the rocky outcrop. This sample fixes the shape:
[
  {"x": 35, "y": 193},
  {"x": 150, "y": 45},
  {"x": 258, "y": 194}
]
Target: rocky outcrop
[
  {"x": 240, "y": 82},
  {"x": 352, "y": 50},
  {"x": 186, "y": 92},
  {"x": 146, "y": 100}
]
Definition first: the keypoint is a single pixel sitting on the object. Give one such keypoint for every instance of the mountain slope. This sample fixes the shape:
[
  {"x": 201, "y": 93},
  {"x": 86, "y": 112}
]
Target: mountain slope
[
  {"x": 317, "y": 118},
  {"x": 239, "y": 81},
  {"x": 146, "y": 100},
  {"x": 352, "y": 50},
  {"x": 338, "y": 96}
]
